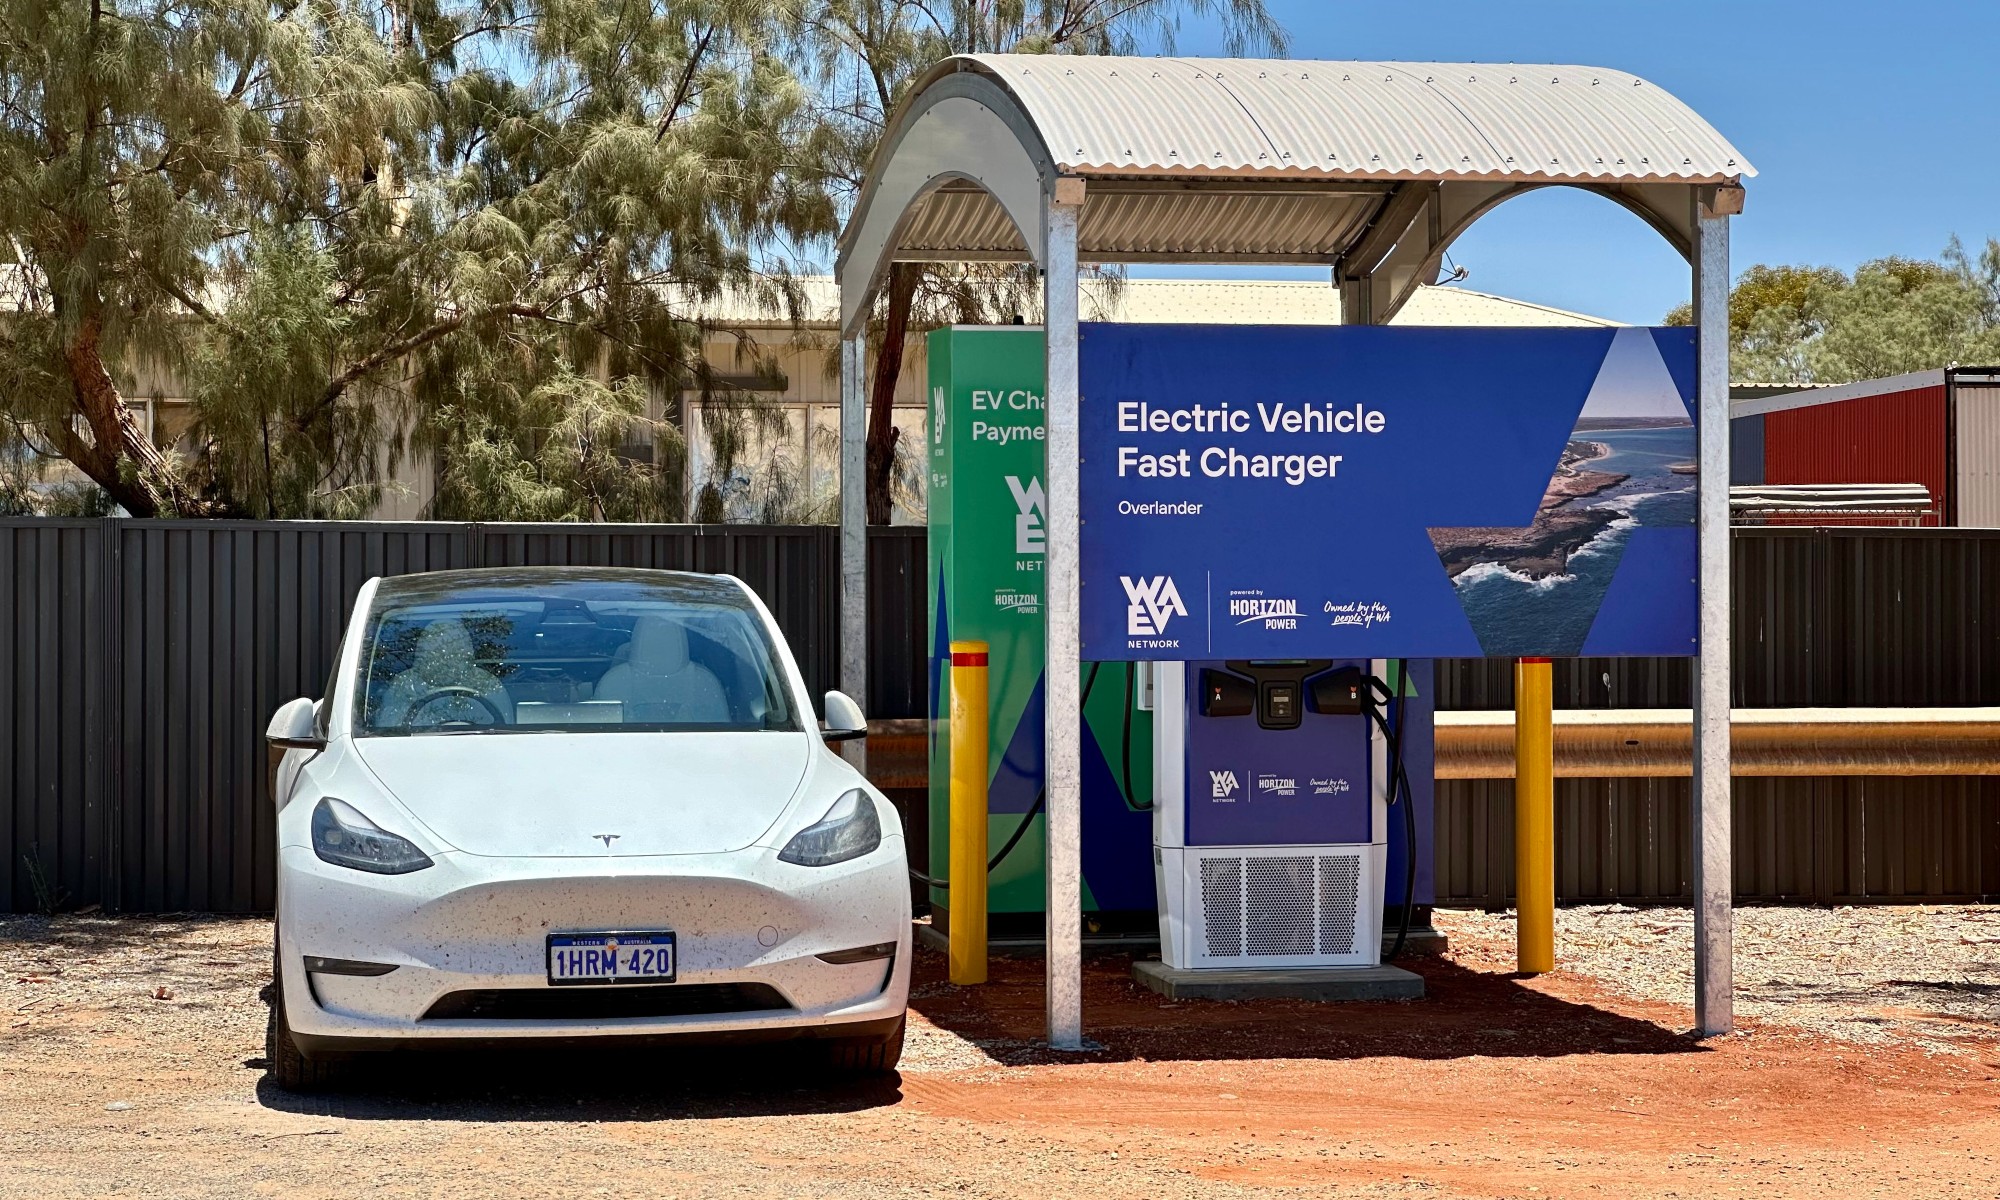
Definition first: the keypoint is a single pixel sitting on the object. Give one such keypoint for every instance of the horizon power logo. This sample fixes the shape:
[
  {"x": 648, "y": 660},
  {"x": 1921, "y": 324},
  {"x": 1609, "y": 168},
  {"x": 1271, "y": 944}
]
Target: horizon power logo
[
  {"x": 1275, "y": 614},
  {"x": 1222, "y": 785},
  {"x": 1154, "y": 601},
  {"x": 1031, "y": 510}
]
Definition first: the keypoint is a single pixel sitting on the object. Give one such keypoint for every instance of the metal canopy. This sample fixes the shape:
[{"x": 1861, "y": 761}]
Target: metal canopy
[{"x": 1371, "y": 168}]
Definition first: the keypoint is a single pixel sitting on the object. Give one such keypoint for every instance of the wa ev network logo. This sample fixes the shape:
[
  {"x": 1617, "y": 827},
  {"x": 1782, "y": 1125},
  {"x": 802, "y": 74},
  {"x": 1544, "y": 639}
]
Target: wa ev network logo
[
  {"x": 1154, "y": 600},
  {"x": 1031, "y": 510},
  {"x": 1222, "y": 785}
]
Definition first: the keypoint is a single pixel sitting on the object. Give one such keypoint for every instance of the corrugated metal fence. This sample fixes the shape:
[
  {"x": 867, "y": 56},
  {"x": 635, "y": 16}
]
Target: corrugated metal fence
[
  {"x": 139, "y": 661},
  {"x": 1823, "y": 618}
]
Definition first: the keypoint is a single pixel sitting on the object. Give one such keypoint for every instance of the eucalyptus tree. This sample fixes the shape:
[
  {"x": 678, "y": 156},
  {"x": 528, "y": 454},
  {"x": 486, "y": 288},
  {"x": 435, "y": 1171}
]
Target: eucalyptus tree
[
  {"x": 865, "y": 54},
  {"x": 520, "y": 280},
  {"x": 482, "y": 229},
  {"x": 135, "y": 145},
  {"x": 1819, "y": 325}
]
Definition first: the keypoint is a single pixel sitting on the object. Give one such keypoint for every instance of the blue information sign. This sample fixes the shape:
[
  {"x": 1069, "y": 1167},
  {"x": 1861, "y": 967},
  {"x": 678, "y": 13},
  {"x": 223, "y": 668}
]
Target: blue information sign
[{"x": 1370, "y": 492}]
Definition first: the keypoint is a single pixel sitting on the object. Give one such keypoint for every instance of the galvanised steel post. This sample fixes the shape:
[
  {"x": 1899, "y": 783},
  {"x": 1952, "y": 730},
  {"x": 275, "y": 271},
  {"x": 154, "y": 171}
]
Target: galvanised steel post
[
  {"x": 1061, "y": 609},
  {"x": 854, "y": 536},
  {"x": 1713, "y": 882}
]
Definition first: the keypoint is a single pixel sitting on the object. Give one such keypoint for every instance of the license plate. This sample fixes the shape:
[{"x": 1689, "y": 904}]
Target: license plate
[{"x": 611, "y": 958}]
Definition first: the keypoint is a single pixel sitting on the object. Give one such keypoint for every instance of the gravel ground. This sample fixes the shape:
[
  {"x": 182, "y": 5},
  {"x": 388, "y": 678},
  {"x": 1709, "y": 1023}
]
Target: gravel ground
[
  {"x": 192, "y": 979},
  {"x": 1920, "y": 974},
  {"x": 131, "y": 1065}
]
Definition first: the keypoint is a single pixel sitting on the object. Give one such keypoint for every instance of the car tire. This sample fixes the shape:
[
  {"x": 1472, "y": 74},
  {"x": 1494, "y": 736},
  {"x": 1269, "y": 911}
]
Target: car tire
[
  {"x": 284, "y": 1063},
  {"x": 874, "y": 1055}
]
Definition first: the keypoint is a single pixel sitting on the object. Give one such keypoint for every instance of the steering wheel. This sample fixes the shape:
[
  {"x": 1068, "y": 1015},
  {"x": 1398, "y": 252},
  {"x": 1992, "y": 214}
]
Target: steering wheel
[{"x": 454, "y": 692}]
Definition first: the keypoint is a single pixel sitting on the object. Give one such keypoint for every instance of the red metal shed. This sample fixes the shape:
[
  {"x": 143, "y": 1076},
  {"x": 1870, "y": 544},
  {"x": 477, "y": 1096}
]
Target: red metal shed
[{"x": 1928, "y": 427}]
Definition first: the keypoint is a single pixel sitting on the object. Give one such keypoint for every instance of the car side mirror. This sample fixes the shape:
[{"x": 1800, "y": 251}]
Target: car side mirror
[
  {"x": 295, "y": 727},
  {"x": 844, "y": 721}
]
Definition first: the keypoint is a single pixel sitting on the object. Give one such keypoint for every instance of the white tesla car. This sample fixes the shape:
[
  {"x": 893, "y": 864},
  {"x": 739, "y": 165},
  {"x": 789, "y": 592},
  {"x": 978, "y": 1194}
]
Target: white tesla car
[{"x": 564, "y": 803}]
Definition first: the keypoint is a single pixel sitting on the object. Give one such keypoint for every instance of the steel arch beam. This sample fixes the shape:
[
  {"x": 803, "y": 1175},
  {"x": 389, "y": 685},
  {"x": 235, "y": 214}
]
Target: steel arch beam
[
  {"x": 1404, "y": 246},
  {"x": 962, "y": 127}
]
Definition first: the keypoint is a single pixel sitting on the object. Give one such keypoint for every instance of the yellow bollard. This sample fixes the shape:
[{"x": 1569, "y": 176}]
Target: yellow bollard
[
  {"x": 967, "y": 891},
  {"x": 1534, "y": 817}
]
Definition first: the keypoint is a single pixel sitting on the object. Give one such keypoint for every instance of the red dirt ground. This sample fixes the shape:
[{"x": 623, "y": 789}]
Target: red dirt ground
[
  {"x": 1492, "y": 1086},
  {"x": 135, "y": 1069}
]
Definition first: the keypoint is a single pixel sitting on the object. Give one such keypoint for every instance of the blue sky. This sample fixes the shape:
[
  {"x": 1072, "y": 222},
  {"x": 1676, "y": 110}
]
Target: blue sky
[{"x": 1874, "y": 129}]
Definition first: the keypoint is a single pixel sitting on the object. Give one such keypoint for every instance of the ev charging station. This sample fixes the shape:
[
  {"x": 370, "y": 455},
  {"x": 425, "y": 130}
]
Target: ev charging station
[
  {"x": 1370, "y": 169},
  {"x": 1270, "y": 829},
  {"x": 987, "y": 550},
  {"x": 1299, "y": 771}
]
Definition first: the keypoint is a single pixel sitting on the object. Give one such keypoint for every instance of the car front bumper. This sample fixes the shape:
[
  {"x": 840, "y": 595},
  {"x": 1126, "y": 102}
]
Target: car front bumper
[{"x": 467, "y": 940}]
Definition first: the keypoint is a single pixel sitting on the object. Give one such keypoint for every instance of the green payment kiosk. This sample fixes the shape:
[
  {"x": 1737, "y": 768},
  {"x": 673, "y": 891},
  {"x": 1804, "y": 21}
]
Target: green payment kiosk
[{"x": 987, "y": 539}]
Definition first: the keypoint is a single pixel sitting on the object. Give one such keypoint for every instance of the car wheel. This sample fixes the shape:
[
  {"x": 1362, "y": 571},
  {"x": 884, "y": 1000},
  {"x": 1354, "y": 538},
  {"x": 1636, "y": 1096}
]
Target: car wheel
[
  {"x": 874, "y": 1055},
  {"x": 284, "y": 1063}
]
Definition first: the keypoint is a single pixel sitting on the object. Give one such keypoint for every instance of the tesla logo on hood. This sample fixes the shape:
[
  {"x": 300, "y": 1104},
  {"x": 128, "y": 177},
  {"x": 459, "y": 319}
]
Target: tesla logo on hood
[{"x": 606, "y": 838}]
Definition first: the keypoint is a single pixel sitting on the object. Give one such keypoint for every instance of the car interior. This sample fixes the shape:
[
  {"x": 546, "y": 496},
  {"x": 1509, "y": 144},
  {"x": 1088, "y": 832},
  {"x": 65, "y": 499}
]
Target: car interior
[{"x": 575, "y": 665}]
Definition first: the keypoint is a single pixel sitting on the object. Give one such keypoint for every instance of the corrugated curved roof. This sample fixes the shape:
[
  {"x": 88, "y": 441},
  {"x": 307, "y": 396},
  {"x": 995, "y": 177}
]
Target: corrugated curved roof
[{"x": 1113, "y": 116}]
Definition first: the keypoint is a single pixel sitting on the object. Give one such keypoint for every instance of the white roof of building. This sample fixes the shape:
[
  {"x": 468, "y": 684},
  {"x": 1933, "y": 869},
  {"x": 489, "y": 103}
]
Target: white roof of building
[
  {"x": 1104, "y": 116},
  {"x": 1220, "y": 302},
  {"x": 1303, "y": 302}
]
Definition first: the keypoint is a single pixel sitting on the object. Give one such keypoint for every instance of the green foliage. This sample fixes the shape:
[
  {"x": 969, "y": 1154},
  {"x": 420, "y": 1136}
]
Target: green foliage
[
  {"x": 483, "y": 232},
  {"x": 263, "y": 367},
  {"x": 1805, "y": 325},
  {"x": 558, "y": 453},
  {"x": 529, "y": 270},
  {"x": 357, "y": 229},
  {"x": 143, "y": 143}
]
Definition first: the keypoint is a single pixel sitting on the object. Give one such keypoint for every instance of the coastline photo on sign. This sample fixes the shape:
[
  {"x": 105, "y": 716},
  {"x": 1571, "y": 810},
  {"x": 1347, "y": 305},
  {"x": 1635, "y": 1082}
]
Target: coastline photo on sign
[{"x": 1629, "y": 465}]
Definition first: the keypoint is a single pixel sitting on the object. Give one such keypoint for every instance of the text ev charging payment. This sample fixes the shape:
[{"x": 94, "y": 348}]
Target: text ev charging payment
[{"x": 575, "y": 958}]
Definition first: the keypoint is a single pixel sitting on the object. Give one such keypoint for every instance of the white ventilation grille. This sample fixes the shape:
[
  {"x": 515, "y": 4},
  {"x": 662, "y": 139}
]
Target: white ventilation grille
[
  {"x": 1290, "y": 906},
  {"x": 1278, "y": 906},
  {"x": 1222, "y": 905},
  {"x": 1339, "y": 903}
]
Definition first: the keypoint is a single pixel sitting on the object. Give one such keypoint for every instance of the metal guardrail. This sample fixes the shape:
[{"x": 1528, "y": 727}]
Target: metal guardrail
[
  {"x": 1766, "y": 742},
  {"x": 1867, "y": 503},
  {"x": 1643, "y": 743}
]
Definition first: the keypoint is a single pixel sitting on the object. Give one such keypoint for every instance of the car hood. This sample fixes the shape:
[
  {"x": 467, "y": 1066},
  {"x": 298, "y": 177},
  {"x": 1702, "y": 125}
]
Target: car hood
[{"x": 552, "y": 795}]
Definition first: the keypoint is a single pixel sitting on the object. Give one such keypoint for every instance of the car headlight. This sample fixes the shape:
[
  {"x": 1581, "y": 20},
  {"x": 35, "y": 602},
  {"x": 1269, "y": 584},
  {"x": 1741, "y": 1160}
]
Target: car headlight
[
  {"x": 849, "y": 829},
  {"x": 345, "y": 838}
]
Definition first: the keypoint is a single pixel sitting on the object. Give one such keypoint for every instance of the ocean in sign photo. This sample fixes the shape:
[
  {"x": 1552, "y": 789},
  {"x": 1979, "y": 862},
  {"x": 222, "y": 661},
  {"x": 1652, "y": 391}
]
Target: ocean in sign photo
[
  {"x": 1629, "y": 464},
  {"x": 1536, "y": 589}
]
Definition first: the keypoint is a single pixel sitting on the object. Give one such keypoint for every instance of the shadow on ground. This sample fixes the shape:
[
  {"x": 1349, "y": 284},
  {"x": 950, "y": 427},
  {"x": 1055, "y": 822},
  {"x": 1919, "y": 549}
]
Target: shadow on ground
[
  {"x": 107, "y": 934},
  {"x": 588, "y": 1083},
  {"x": 1464, "y": 1013}
]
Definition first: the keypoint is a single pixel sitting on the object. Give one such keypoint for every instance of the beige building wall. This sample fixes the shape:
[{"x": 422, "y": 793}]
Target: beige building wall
[
  {"x": 793, "y": 472},
  {"x": 788, "y": 468}
]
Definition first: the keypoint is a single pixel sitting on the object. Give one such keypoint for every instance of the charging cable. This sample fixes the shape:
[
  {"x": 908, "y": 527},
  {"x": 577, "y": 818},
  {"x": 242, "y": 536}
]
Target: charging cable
[
  {"x": 1125, "y": 742},
  {"x": 1042, "y": 795},
  {"x": 1390, "y": 718}
]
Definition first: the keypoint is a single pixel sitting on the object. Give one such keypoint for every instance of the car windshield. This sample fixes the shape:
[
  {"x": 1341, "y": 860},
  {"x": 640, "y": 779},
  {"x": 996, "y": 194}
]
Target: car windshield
[{"x": 574, "y": 653}]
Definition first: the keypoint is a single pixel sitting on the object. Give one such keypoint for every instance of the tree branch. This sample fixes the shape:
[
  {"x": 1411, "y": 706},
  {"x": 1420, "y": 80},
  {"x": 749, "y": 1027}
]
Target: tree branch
[
  {"x": 186, "y": 300},
  {"x": 686, "y": 82},
  {"x": 402, "y": 348}
]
